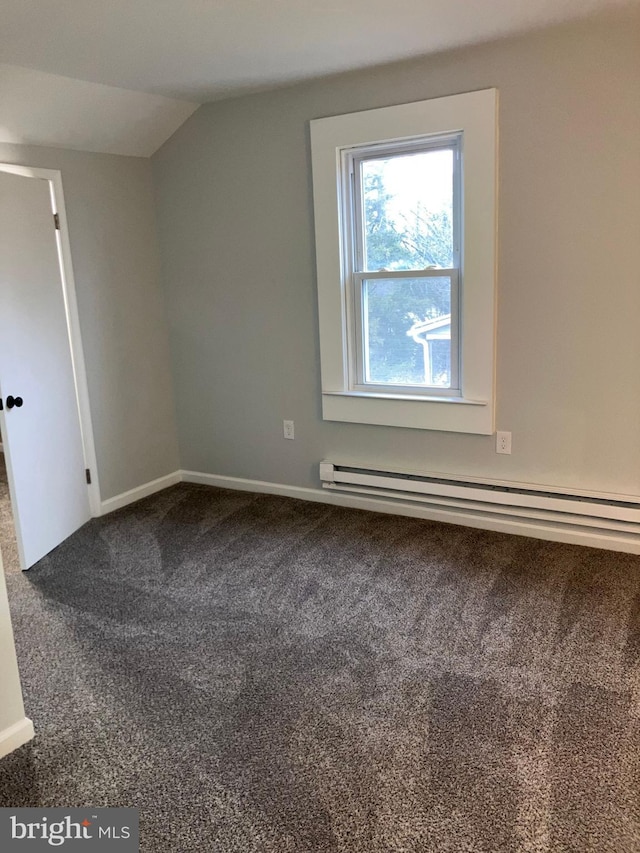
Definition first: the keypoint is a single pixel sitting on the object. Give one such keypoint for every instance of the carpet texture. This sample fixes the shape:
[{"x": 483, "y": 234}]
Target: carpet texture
[
  {"x": 256, "y": 673},
  {"x": 10, "y": 558}
]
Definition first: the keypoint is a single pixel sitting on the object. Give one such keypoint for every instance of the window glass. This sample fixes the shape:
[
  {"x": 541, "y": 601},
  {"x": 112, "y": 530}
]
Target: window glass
[
  {"x": 403, "y": 319},
  {"x": 407, "y": 203}
]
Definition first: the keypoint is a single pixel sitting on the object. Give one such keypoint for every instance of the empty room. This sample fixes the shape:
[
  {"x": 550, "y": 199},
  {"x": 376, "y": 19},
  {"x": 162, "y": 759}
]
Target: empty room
[{"x": 320, "y": 425}]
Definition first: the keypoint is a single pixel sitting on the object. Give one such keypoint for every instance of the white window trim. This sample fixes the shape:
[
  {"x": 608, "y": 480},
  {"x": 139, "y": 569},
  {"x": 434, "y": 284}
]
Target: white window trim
[{"x": 475, "y": 115}]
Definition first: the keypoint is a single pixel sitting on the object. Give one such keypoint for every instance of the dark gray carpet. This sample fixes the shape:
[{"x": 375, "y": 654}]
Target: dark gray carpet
[
  {"x": 8, "y": 546},
  {"x": 262, "y": 674}
]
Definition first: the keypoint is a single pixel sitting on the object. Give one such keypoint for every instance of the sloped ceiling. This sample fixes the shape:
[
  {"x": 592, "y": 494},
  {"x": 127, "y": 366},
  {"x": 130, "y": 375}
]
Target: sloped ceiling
[
  {"x": 121, "y": 76},
  {"x": 37, "y": 108}
]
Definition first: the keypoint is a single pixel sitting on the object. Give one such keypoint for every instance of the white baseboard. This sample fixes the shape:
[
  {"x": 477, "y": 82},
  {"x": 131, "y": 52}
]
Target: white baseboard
[
  {"x": 140, "y": 492},
  {"x": 522, "y": 527},
  {"x": 261, "y": 486},
  {"x": 15, "y": 736}
]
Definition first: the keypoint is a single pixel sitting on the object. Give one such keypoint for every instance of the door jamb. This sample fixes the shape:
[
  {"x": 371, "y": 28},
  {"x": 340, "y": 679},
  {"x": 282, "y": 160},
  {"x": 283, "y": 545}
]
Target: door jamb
[{"x": 54, "y": 178}]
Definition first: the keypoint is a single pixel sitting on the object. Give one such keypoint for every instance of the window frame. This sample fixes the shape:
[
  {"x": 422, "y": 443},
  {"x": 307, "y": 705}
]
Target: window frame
[
  {"x": 473, "y": 118},
  {"x": 355, "y": 268}
]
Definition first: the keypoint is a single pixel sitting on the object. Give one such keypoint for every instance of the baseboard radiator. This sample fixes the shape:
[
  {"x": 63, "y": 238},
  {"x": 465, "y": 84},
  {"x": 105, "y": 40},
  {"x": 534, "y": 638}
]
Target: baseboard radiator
[{"x": 491, "y": 499}]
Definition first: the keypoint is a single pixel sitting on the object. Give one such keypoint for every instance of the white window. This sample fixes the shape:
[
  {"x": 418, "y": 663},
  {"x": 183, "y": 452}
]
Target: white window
[
  {"x": 402, "y": 264},
  {"x": 405, "y": 241}
]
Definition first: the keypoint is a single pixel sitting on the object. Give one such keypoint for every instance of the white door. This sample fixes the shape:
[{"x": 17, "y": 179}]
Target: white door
[{"x": 41, "y": 436}]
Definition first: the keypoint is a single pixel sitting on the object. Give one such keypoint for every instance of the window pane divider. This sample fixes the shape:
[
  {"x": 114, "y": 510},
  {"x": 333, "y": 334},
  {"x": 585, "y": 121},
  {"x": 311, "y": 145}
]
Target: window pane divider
[{"x": 450, "y": 272}]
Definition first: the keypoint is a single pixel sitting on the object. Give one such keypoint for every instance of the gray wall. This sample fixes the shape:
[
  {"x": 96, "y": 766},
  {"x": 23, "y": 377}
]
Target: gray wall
[
  {"x": 236, "y": 230},
  {"x": 112, "y": 229}
]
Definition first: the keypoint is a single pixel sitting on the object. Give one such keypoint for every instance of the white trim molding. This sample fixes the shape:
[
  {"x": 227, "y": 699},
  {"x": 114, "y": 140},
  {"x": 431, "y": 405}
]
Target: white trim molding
[
  {"x": 259, "y": 486},
  {"x": 16, "y": 735},
  {"x": 143, "y": 491},
  {"x": 522, "y": 526},
  {"x": 525, "y": 524},
  {"x": 474, "y": 117}
]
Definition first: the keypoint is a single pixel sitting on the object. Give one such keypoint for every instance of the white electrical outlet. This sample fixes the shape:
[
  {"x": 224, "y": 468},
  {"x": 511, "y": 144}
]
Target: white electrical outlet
[
  {"x": 503, "y": 442},
  {"x": 288, "y": 429}
]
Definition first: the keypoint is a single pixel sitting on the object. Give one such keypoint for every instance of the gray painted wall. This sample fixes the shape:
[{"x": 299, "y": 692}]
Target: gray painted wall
[
  {"x": 236, "y": 230},
  {"x": 110, "y": 210}
]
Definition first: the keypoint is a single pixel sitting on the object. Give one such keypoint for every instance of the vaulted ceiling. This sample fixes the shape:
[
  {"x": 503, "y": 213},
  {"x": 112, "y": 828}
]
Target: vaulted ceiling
[{"x": 121, "y": 76}]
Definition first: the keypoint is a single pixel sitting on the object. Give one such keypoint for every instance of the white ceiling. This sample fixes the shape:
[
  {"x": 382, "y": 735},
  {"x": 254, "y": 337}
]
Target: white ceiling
[{"x": 202, "y": 50}]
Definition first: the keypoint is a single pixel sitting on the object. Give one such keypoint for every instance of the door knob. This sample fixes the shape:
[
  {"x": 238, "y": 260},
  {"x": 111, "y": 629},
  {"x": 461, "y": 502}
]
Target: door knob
[{"x": 14, "y": 401}]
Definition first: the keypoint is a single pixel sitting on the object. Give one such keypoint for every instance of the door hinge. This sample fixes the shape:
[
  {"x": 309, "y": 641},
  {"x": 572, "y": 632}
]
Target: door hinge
[
  {"x": 56, "y": 221},
  {"x": 87, "y": 474}
]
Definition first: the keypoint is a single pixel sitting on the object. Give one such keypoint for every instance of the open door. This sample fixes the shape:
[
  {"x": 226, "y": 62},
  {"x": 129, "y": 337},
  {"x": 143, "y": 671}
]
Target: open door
[{"x": 40, "y": 419}]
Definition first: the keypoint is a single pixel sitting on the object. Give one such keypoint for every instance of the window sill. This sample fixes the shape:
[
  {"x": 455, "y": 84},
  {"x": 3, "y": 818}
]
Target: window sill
[
  {"x": 396, "y": 410},
  {"x": 414, "y": 398}
]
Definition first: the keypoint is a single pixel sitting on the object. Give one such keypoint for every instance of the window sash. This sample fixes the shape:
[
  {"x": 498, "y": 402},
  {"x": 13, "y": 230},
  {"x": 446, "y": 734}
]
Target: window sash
[
  {"x": 355, "y": 195},
  {"x": 353, "y": 253},
  {"x": 358, "y": 343}
]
